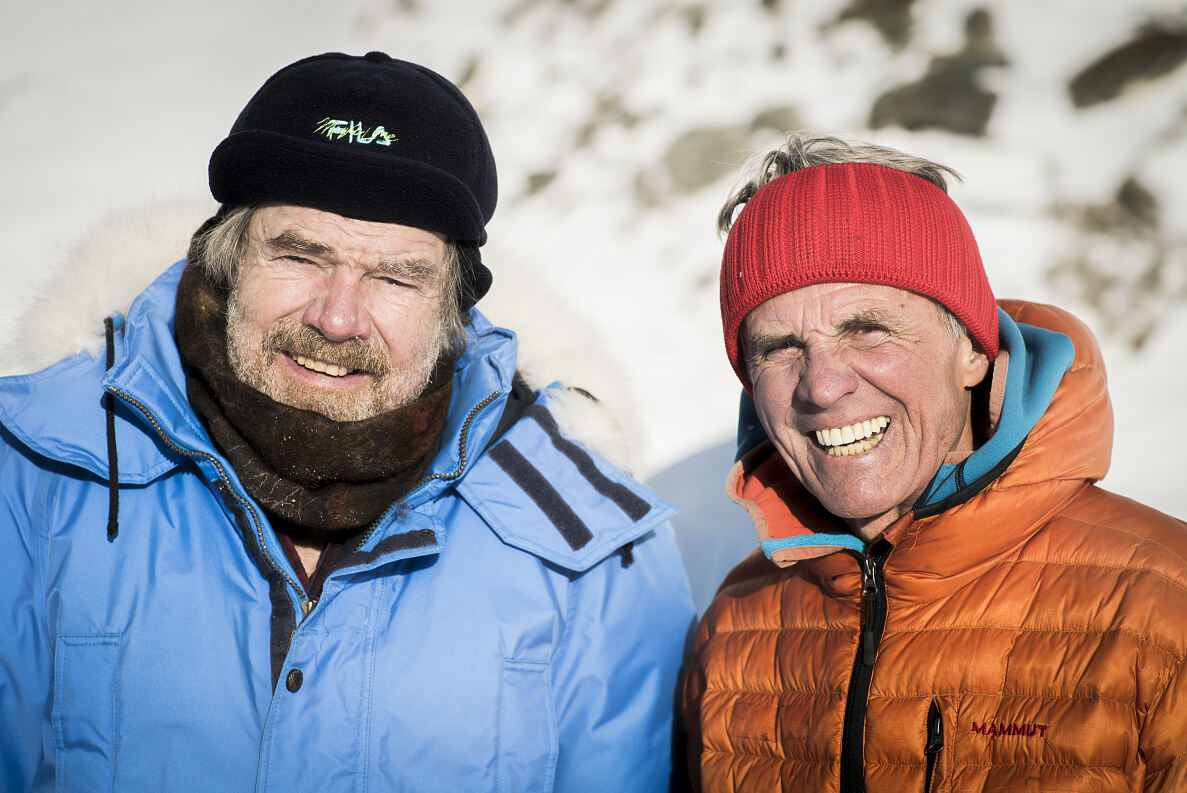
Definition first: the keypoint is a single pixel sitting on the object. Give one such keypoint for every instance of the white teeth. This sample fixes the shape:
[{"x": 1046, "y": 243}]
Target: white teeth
[
  {"x": 854, "y": 448},
  {"x": 854, "y": 438},
  {"x": 332, "y": 369}
]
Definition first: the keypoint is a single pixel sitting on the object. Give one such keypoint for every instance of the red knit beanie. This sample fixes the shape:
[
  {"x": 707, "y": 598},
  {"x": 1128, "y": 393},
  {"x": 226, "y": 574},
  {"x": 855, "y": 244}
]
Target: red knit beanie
[{"x": 853, "y": 223}]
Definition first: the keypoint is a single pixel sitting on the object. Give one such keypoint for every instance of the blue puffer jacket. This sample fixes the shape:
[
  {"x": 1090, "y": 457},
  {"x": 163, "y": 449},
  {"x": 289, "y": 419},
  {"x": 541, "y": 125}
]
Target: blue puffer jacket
[{"x": 516, "y": 624}]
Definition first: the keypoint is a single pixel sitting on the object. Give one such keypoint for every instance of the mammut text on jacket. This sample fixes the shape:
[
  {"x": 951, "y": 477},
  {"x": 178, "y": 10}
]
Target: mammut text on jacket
[
  {"x": 1024, "y": 630},
  {"x": 516, "y": 623}
]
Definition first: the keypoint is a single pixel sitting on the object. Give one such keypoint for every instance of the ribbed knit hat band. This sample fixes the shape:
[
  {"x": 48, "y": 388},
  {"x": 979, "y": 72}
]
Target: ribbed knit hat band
[{"x": 853, "y": 223}]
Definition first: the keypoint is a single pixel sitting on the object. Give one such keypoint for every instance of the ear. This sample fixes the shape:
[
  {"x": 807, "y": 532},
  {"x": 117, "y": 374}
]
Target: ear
[{"x": 974, "y": 364}]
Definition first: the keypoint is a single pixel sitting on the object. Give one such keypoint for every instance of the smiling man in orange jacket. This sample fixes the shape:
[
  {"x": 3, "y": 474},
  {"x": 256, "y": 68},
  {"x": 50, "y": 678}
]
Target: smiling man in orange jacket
[{"x": 943, "y": 600}]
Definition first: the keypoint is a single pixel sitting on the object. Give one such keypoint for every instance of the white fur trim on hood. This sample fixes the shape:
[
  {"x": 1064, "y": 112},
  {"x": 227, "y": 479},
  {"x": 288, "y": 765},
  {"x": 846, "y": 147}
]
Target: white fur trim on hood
[{"x": 99, "y": 276}]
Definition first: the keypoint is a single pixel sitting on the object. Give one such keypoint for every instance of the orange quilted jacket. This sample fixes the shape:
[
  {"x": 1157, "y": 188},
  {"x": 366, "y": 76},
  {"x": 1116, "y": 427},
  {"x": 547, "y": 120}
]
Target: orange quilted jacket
[{"x": 1029, "y": 638}]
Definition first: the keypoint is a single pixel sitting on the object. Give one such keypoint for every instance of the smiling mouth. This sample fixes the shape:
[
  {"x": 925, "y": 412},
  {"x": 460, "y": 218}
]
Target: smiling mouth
[
  {"x": 852, "y": 438},
  {"x": 324, "y": 367}
]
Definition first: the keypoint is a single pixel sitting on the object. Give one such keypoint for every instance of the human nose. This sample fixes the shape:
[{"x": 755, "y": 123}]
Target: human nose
[
  {"x": 337, "y": 309},
  {"x": 824, "y": 379}
]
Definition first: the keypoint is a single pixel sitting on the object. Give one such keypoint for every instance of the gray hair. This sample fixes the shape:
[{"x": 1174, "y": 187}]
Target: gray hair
[
  {"x": 800, "y": 151},
  {"x": 221, "y": 246}
]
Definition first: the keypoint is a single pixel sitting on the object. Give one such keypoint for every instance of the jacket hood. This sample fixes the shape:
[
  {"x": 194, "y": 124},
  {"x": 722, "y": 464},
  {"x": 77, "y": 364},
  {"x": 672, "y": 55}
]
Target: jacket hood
[
  {"x": 58, "y": 413},
  {"x": 115, "y": 269},
  {"x": 1052, "y": 433},
  {"x": 1041, "y": 357}
]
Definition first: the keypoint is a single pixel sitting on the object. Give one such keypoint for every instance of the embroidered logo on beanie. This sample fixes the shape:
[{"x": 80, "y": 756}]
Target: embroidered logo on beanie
[{"x": 353, "y": 132}]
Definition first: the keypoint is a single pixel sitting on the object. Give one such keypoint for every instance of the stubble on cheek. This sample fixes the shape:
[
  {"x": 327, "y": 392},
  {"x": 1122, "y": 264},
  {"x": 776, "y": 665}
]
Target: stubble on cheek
[{"x": 245, "y": 350}]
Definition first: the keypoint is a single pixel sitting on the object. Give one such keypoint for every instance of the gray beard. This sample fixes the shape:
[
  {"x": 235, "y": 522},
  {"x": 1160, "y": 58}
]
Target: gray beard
[{"x": 251, "y": 358}]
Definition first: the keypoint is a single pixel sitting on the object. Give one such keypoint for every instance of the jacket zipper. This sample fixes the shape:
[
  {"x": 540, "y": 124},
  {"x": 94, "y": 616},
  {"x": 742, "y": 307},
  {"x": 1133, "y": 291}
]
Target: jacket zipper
[
  {"x": 873, "y": 621},
  {"x": 226, "y": 481},
  {"x": 934, "y": 745},
  {"x": 454, "y": 474},
  {"x": 306, "y": 604}
]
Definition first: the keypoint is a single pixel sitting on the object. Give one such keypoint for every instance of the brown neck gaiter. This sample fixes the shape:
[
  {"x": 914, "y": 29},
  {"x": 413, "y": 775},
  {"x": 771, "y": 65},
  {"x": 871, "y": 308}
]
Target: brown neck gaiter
[{"x": 317, "y": 473}]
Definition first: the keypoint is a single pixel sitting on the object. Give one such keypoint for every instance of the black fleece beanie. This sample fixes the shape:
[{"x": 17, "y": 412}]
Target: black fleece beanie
[{"x": 367, "y": 137}]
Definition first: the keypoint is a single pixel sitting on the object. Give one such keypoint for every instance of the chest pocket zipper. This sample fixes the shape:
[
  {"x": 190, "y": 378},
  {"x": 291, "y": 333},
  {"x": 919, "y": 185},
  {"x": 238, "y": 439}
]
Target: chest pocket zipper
[{"x": 935, "y": 744}]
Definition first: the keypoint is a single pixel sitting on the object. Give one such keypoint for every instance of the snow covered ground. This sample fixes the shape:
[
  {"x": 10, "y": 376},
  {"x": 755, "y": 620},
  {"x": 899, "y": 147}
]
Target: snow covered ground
[{"x": 594, "y": 107}]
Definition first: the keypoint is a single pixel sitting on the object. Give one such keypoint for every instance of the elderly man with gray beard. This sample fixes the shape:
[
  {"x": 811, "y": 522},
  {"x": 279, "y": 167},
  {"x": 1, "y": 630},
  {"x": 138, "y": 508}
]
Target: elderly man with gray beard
[{"x": 303, "y": 526}]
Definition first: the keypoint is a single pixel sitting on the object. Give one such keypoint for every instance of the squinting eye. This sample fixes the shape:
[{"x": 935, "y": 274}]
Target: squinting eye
[{"x": 780, "y": 354}]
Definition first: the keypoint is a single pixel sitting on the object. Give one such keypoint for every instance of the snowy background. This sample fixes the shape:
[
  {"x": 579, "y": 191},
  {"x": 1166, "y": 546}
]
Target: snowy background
[{"x": 619, "y": 126}]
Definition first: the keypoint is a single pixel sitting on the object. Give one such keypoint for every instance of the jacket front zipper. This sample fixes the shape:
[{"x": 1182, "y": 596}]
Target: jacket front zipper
[
  {"x": 461, "y": 468},
  {"x": 223, "y": 478},
  {"x": 224, "y": 485},
  {"x": 306, "y": 604},
  {"x": 873, "y": 621}
]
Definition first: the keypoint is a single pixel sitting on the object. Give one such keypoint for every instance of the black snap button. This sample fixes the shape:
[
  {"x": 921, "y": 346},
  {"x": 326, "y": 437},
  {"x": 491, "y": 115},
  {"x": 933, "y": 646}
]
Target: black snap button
[
  {"x": 294, "y": 680},
  {"x": 377, "y": 57}
]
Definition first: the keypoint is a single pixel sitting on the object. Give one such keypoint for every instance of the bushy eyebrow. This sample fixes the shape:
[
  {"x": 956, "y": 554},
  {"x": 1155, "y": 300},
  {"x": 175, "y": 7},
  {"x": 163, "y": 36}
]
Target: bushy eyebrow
[
  {"x": 413, "y": 268},
  {"x": 865, "y": 319},
  {"x": 291, "y": 242},
  {"x": 416, "y": 268},
  {"x": 761, "y": 345}
]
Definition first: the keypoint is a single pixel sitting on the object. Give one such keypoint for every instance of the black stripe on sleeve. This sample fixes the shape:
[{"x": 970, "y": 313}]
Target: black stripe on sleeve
[
  {"x": 545, "y": 496},
  {"x": 634, "y": 507}
]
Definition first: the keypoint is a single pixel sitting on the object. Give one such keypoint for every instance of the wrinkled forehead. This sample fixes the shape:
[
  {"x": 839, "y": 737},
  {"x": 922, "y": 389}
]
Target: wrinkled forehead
[
  {"x": 828, "y": 306},
  {"x": 283, "y": 229}
]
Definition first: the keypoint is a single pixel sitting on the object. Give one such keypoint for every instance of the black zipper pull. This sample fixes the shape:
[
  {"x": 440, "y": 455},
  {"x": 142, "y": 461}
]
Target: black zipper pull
[
  {"x": 869, "y": 588},
  {"x": 934, "y": 745},
  {"x": 935, "y": 730}
]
